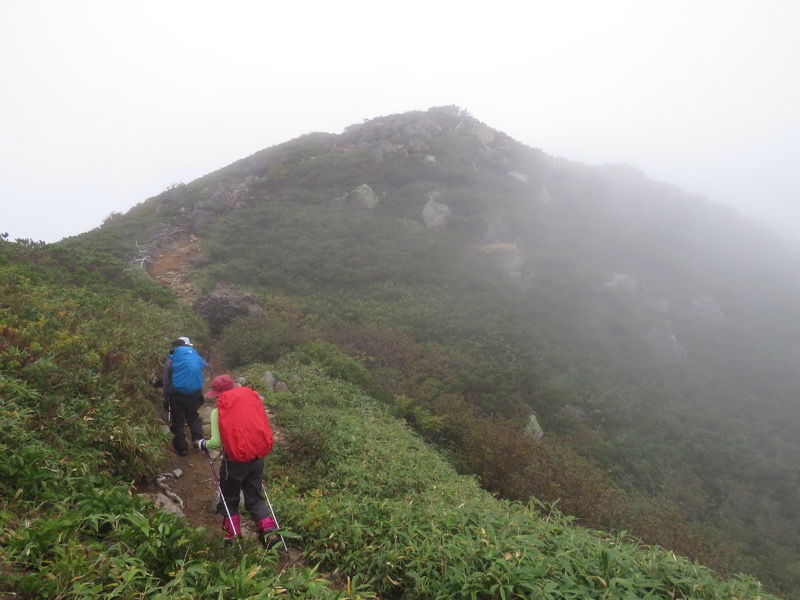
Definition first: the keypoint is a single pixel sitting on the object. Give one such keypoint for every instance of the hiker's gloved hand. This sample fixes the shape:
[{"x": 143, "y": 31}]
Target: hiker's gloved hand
[
  {"x": 200, "y": 445},
  {"x": 166, "y": 403}
]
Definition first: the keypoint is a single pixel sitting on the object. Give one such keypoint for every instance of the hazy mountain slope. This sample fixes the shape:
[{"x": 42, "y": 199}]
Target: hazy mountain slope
[
  {"x": 372, "y": 510},
  {"x": 652, "y": 333}
]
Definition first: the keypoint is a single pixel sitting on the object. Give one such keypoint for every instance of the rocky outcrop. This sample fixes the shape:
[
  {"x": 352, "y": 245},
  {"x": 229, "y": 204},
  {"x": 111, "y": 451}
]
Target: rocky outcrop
[
  {"x": 171, "y": 198},
  {"x": 225, "y": 304},
  {"x": 533, "y": 429},
  {"x": 410, "y": 134},
  {"x": 641, "y": 302},
  {"x": 363, "y": 197},
  {"x": 435, "y": 215},
  {"x": 223, "y": 200},
  {"x": 273, "y": 384},
  {"x": 228, "y": 195}
]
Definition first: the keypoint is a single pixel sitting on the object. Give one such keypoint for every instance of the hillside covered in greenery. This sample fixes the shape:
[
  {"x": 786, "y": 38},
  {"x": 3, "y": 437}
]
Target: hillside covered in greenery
[
  {"x": 485, "y": 293},
  {"x": 377, "y": 512}
]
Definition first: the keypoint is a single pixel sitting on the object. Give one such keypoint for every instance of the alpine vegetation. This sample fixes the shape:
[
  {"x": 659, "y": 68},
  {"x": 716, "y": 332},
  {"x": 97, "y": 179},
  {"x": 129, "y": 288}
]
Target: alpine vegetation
[{"x": 490, "y": 373}]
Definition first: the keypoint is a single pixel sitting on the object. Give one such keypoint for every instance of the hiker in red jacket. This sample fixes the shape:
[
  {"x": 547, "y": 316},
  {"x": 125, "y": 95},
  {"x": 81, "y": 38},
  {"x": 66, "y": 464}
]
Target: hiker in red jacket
[{"x": 240, "y": 426}]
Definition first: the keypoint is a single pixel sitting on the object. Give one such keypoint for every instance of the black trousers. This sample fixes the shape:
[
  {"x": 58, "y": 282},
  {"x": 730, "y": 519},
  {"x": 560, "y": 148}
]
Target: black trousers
[
  {"x": 184, "y": 412},
  {"x": 246, "y": 476}
]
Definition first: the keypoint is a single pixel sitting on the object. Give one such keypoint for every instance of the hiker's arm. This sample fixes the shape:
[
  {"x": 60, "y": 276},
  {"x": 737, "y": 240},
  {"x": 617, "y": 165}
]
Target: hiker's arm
[{"x": 215, "y": 443}]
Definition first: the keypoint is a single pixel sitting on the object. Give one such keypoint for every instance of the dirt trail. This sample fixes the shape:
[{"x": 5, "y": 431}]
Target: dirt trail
[
  {"x": 195, "y": 486},
  {"x": 171, "y": 267}
]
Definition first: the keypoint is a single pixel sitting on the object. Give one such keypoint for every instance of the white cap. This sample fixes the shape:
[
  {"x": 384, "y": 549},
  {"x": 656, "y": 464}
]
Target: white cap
[{"x": 186, "y": 341}]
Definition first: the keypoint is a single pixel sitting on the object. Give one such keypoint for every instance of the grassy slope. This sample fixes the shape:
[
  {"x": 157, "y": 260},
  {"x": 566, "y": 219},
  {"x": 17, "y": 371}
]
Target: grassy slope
[
  {"x": 368, "y": 497},
  {"x": 704, "y": 453},
  {"x": 362, "y": 492}
]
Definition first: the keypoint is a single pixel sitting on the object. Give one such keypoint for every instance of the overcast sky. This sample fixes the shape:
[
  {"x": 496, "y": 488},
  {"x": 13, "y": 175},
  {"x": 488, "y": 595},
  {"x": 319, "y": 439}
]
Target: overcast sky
[{"x": 106, "y": 103}]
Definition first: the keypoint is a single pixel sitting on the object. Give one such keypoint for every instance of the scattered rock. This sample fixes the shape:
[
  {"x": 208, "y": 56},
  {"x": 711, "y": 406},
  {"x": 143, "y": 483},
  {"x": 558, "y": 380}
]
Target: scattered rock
[
  {"x": 435, "y": 215},
  {"x": 161, "y": 483},
  {"x": 270, "y": 380},
  {"x": 533, "y": 428},
  {"x": 363, "y": 197},
  {"x": 225, "y": 304},
  {"x": 164, "y": 503}
]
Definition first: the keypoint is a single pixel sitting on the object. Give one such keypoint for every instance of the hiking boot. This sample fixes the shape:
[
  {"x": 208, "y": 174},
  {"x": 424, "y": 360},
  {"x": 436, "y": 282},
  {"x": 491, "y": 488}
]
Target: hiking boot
[
  {"x": 181, "y": 449},
  {"x": 231, "y": 527},
  {"x": 266, "y": 533},
  {"x": 268, "y": 540}
]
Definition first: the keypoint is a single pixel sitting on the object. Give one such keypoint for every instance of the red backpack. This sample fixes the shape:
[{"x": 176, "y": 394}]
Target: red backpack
[{"x": 243, "y": 425}]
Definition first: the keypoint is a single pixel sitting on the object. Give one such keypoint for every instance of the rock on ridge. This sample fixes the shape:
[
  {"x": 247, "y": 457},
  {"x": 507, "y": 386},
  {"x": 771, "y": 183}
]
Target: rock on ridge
[{"x": 225, "y": 304}]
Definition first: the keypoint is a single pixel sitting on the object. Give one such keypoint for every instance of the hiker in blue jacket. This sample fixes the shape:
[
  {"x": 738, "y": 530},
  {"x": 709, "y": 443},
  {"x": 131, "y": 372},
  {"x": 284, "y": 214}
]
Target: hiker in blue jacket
[{"x": 183, "y": 388}]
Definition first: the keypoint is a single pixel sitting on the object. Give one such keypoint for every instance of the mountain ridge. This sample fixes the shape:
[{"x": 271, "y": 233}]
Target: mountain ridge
[{"x": 623, "y": 313}]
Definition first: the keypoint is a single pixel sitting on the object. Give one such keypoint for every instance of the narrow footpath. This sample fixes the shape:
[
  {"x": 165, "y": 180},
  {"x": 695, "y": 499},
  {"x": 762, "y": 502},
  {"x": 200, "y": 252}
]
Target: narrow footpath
[{"x": 188, "y": 480}]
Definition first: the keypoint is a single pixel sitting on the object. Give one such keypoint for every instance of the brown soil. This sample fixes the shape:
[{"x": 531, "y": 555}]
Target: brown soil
[
  {"x": 171, "y": 266},
  {"x": 196, "y": 486}
]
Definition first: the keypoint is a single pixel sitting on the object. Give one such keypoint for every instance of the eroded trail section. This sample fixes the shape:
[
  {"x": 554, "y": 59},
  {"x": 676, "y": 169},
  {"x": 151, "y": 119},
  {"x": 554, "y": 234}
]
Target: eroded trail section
[
  {"x": 170, "y": 266},
  {"x": 187, "y": 478}
]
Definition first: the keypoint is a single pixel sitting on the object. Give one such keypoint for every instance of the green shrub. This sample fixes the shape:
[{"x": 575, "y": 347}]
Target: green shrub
[
  {"x": 335, "y": 363},
  {"x": 250, "y": 340}
]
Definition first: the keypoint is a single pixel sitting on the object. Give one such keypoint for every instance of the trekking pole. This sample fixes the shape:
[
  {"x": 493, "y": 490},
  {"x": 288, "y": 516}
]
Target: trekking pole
[
  {"x": 274, "y": 518},
  {"x": 221, "y": 497}
]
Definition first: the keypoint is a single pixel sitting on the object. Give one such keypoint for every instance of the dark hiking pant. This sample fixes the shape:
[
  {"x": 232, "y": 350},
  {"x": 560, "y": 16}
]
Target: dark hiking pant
[
  {"x": 184, "y": 412},
  {"x": 245, "y": 477}
]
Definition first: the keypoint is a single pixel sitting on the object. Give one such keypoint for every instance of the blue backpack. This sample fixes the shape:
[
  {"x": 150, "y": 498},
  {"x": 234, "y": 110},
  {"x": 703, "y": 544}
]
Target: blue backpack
[{"x": 187, "y": 370}]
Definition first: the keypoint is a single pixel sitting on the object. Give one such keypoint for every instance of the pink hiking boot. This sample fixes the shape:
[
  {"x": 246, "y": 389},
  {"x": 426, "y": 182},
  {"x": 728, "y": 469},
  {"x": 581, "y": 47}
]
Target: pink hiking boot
[
  {"x": 266, "y": 530},
  {"x": 232, "y": 528}
]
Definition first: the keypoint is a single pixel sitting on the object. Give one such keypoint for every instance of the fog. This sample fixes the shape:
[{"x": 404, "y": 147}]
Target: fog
[{"x": 106, "y": 104}]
